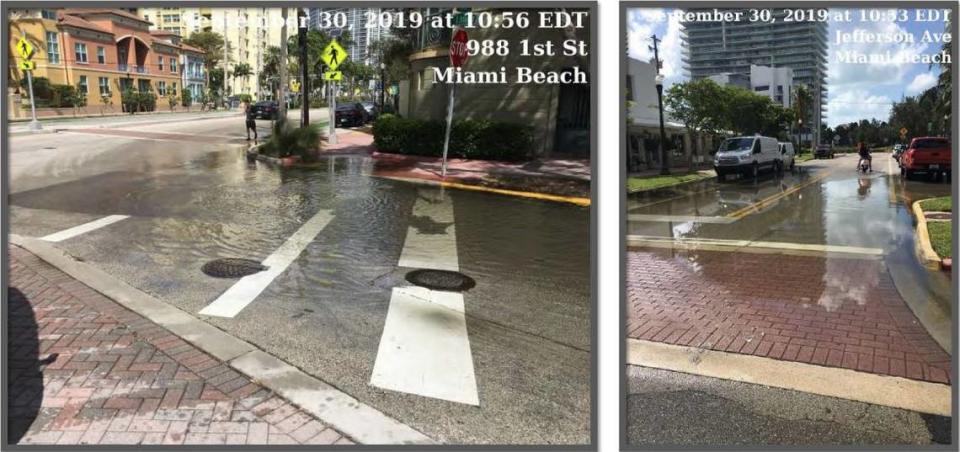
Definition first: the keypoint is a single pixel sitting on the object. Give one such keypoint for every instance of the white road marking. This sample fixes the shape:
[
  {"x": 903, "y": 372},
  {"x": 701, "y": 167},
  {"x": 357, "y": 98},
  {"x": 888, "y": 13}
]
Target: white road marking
[
  {"x": 84, "y": 228},
  {"x": 847, "y": 384},
  {"x": 680, "y": 218},
  {"x": 241, "y": 294},
  {"x": 721, "y": 244},
  {"x": 425, "y": 348},
  {"x": 435, "y": 244}
]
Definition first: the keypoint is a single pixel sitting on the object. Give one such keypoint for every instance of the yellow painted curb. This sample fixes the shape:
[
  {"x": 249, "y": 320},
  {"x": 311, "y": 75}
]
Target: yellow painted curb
[
  {"x": 925, "y": 251},
  {"x": 585, "y": 202},
  {"x": 580, "y": 201}
]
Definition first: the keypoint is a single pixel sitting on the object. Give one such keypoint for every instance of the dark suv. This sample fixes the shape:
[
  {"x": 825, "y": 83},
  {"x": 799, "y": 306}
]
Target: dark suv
[
  {"x": 265, "y": 109},
  {"x": 351, "y": 114},
  {"x": 824, "y": 151}
]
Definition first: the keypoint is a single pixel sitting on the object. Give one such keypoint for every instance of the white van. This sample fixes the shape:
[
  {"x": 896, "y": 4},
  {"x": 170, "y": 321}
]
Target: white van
[
  {"x": 788, "y": 157},
  {"x": 747, "y": 156}
]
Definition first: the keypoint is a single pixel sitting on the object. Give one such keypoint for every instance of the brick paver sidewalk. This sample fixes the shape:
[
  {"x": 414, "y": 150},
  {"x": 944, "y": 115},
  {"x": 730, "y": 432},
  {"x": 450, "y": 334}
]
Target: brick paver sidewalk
[
  {"x": 836, "y": 312},
  {"x": 85, "y": 370}
]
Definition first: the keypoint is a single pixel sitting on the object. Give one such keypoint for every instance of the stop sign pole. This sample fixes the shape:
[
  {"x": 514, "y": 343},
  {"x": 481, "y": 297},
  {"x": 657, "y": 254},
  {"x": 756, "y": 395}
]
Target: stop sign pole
[{"x": 458, "y": 56}]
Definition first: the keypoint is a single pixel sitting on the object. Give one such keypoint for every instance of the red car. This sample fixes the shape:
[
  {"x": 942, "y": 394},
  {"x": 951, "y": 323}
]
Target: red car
[{"x": 930, "y": 155}]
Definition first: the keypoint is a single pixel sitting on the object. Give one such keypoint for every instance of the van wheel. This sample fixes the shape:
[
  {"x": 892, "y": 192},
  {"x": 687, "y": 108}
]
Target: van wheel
[
  {"x": 755, "y": 170},
  {"x": 793, "y": 165}
]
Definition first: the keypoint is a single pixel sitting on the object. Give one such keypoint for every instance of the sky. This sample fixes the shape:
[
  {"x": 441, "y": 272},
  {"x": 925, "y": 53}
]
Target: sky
[{"x": 856, "y": 91}]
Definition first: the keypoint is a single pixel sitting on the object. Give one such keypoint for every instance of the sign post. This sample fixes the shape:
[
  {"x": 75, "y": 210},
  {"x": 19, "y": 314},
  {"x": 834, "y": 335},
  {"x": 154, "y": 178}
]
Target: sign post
[
  {"x": 458, "y": 56},
  {"x": 333, "y": 55},
  {"x": 26, "y": 53}
]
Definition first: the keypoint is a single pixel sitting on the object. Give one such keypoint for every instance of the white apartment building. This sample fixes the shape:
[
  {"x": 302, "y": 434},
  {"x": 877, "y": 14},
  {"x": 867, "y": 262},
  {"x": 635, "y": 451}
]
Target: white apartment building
[{"x": 247, "y": 33}]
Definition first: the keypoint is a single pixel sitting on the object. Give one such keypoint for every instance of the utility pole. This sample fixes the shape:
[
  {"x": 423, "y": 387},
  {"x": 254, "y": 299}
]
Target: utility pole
[
  {"x": 304, "y": 68},
  {"x": 282, "y": 103},
  {"x": 226, "y": 59}
]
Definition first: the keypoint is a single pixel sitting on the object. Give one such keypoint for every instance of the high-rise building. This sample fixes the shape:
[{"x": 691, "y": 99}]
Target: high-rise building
[
  {"x": 247, "y": 32},
  {"x": 712, "y": 48},
  {"x": 356, "y": 23}
]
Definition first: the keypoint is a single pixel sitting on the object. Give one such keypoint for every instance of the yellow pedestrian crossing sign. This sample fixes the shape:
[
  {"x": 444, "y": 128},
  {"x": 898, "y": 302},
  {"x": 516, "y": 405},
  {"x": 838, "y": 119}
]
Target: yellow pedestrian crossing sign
[
  {"x": 334, "y": 76},
  {"x": 333, "y": 55},
  {"x": 24, "y": 48},
  {"x": 27, "y": 65},
  {"x": 295, "y": 85}
]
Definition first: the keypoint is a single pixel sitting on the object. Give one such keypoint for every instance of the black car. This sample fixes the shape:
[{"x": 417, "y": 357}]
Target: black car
[
  {"x": 351, "y": 114},
  {"x": 824, "y": 151},
  {"x": 266, "y": 109}
]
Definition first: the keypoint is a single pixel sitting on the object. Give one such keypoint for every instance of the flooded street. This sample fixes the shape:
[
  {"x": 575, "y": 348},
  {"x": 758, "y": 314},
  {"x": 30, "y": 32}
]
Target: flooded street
[
  {"x": 815, "y": 267},
  {"x": 527, "y": 320}
]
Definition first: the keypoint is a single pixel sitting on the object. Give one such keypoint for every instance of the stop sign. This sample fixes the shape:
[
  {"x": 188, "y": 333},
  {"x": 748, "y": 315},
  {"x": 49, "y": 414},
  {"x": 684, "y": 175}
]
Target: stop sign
[{"x": 458, "y": 48}]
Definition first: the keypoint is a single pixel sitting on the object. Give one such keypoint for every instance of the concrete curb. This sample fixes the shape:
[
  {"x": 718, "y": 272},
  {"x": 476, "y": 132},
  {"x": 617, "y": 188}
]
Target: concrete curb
[
  {"x": 359, "y": 421},
  {"x": 896, "y": 392},
  {"x": 925, "y": 252},
  {"x": 57, "y": 128}
]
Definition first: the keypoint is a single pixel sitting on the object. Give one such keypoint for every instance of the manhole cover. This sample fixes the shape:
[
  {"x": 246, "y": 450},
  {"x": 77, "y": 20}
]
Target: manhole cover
[
  {"x": 441, "y": 280},
  {"x": 232, "y": 268}
]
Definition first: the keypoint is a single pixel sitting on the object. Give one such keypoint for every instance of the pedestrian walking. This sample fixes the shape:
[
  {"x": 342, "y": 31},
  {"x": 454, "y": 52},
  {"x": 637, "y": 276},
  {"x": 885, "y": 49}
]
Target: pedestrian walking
[{"x": 251, "y": 121}]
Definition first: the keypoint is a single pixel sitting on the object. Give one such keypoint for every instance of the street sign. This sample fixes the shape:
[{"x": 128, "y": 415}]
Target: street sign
[
  {"x": 27, "y": 65},
  {"x": 295, "y": 85},
  {"x": 334, "y": 76},
  {"x": 903, "y": 131},
  {"x": 458, "y": 48},
  {"x": 333, "y": 55},
  {"x": 24, "y": 48}
]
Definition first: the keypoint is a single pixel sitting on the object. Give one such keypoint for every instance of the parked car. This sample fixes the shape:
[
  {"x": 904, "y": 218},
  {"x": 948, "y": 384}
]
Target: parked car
[
  {"x": 746, "y": 155},
  {"x": 898, "y": 151},
  {"x": 929, "y": 155},
  {"x": 266, "y": 109},
  {"x": 351, "y": 114},
  {"x": 788, "y": 157},
  {"x": 372, "y": 110},
  {"x": 824, "y": 151}
]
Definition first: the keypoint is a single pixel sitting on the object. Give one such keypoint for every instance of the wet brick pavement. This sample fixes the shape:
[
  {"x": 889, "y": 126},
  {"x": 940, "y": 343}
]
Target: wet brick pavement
[
  {"x": 85, "y": 370},
  {"x": 837, "y": 312}
]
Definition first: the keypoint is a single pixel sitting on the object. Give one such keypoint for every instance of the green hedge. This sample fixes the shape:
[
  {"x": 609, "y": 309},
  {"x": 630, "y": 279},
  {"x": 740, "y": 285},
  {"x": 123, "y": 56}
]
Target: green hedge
[{"x": 469, "y": 139}]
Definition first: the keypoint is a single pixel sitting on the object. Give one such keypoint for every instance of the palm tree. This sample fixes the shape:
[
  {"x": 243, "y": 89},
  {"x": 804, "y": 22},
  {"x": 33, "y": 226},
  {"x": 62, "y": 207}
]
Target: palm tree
[
  {"x": 802, "y": 100},
  {"x": 243, "y": 71}
]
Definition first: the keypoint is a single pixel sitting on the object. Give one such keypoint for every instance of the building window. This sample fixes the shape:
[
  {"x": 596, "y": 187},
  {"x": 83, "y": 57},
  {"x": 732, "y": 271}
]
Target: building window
[
  {"x": 101, "y": 55},
  {"x": 146, "y": 17},
  {"x": 162, "y": 88},
  {"x": 53, "y": 48},
  {"x": 630, "y": 87},
  {"x": 173, "y": 90},
  {"x": 173, "y": 65},
  {"x": 762, "y": 88},
  {"x": 160, "y": 63},
  {"x": 48, "y": 14},
  {"x": 83, "y": 85},
  {"x": 104, "y": 86},
  {"x": 80, "y": 52}
]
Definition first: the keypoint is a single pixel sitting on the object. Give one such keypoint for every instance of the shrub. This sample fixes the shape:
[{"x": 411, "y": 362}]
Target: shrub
[
  {"x": 148, "y": 101},
  {"x": 471, "y": 139},
  {"x": 41, "y": 88},
  {"x": 62, "y": 95},
  {"x": 287, "y": 140},
  {"x": 186, "y": 98},
  {"x": 246, "y": 98}
]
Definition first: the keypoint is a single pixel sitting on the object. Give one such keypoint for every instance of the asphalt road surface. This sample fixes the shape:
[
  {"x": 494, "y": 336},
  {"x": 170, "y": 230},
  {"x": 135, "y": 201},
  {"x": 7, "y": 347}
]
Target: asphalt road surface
[{"x": 515, "y": 348}]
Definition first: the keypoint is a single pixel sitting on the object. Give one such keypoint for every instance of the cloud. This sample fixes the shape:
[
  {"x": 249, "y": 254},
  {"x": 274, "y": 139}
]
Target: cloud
[
  {"x": 874, "y": 73},
  {"x": 642, "y": 23},
  {"x": 855, "y": 104},
  {"x": 920, "y": 83}
]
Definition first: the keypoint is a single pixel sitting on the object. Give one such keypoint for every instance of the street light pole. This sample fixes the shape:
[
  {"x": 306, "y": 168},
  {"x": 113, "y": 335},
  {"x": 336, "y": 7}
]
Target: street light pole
[
  {"x": 664, "y": 153},
  {"x": 304, "y": 79},
  {"x": 664, "y": 157},
  {"x": 383, "y": 85}
]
